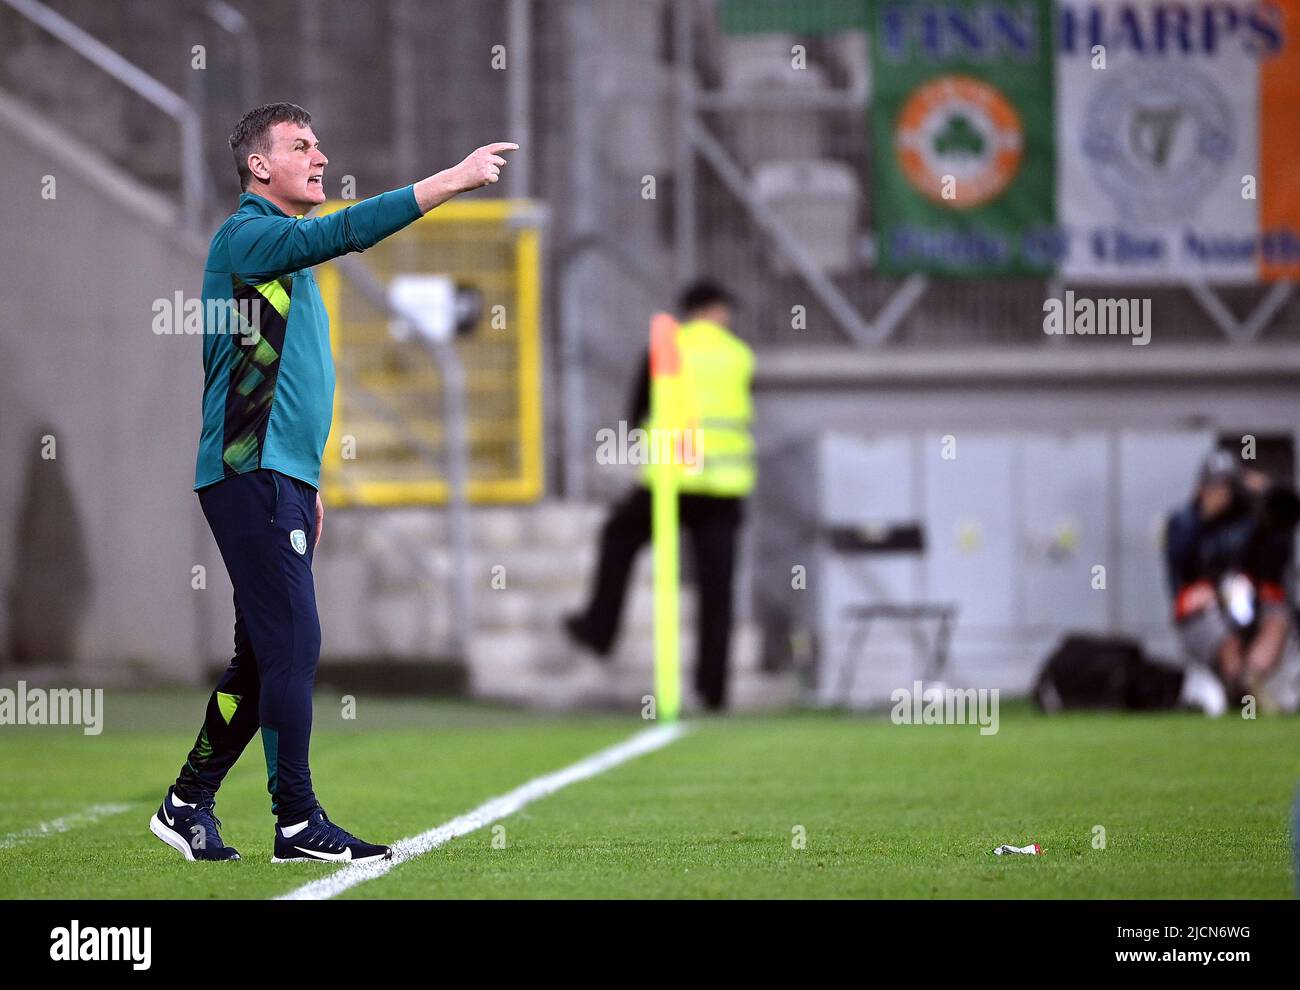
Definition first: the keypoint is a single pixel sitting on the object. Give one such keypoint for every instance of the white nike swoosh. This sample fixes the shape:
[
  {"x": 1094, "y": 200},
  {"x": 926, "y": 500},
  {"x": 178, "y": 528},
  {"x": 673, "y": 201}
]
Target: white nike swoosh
[
  {"x": 171, "y": 822},
  {"x": 315, "y": 854}
]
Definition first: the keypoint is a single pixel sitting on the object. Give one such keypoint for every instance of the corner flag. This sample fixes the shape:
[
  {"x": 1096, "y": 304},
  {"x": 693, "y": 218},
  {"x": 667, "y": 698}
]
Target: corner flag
[{"x": 665, "y": 407}]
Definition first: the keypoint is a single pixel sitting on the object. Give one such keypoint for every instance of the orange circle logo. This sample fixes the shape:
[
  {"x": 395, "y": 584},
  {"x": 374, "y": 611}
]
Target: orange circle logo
[{"x": 959, "y": 141}]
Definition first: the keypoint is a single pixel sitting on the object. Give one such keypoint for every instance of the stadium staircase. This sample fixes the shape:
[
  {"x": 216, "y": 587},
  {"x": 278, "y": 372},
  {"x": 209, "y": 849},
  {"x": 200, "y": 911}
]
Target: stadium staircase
[{"x": 380, "y": 589}]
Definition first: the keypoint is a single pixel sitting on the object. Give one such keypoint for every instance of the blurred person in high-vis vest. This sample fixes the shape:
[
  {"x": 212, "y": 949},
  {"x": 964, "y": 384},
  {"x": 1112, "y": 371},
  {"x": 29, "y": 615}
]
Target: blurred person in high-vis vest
[{"x": 710, "y": 432}]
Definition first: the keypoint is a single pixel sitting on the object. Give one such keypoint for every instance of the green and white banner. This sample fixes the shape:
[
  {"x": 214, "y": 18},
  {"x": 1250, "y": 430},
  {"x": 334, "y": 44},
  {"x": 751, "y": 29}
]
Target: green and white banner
[
  {"x": 1104, "y": 140},
  {"x": 963, "y": 151}
]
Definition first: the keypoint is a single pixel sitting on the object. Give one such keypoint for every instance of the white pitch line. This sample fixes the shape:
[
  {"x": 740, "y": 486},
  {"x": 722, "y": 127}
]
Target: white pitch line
[
  {"x": 485, "y": 814},
  {"x": 60, "y": 825}
]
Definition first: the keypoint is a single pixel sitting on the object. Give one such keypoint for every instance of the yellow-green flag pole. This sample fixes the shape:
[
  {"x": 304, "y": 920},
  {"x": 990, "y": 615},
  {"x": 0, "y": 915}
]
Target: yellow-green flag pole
[{"x": 665, "y": 407}]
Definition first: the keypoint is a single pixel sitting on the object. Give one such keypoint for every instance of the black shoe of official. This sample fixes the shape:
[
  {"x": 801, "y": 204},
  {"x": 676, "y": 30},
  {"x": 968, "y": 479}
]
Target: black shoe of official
[
  {"x": 711, "y": 704},
  {"x": 577, "y": 631},
  {"x": 319, "y": 840}
]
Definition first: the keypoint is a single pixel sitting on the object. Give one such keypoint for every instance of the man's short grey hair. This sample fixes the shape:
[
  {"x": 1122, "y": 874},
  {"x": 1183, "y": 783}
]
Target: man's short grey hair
[{"x": 252, "y": 135}]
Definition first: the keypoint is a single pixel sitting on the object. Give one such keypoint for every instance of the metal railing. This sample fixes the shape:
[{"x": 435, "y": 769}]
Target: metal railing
[
  {"x": 235, "y": 24},
  {"x": 143, "y": 85},
  {"x": 456, "y": 449}
]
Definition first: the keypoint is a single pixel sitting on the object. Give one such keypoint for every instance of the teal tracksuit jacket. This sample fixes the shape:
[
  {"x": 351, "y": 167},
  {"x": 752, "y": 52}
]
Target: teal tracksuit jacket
[{"x": 268, "y": 373}]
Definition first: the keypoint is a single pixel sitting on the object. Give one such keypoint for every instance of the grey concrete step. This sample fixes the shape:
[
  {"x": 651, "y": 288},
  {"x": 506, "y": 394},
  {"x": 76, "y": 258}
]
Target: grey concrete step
[
  {"x": 555, "y": 524},
  {"x": 382, "y": 582},
  {"x": 590, "y": 686},
  {"x": 506, "y": 653},
  {"x": 540, "y": 609}
]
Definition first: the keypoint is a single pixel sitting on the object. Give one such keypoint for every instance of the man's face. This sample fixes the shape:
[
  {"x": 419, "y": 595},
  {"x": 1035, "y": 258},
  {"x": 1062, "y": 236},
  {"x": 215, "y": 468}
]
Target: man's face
[
  {"x": 294, "y": 171},
  {"x": 719, "y": 313},
  {"x": 1215, "y": 498}
]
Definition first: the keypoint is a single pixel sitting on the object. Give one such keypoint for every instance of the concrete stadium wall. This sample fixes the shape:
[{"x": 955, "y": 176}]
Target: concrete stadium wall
[
  {"x": 79, "y": 361},
  {"x": 1089, "y": 384},
  {"x": 1014, "y": 601}
]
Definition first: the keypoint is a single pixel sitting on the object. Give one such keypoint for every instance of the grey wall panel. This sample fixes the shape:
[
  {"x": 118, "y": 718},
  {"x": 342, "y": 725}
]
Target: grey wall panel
[
  {"x": 1015, "y": 523},
  {"x": 1157, "y": 471},
  {"x": 969, "y": 508},
  {"x": 1065, "y": 530},
  {"x": 866, "y": 478},
  {"x": 78, "y": 355}
]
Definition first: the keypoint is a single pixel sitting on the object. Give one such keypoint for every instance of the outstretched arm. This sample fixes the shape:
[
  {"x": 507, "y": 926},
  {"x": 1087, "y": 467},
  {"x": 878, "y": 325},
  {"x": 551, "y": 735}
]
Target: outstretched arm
[{"x": 265, "y": 247}]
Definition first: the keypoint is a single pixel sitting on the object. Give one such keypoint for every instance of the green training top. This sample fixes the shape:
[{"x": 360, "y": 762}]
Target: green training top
[{"x": 268, "y": 374}]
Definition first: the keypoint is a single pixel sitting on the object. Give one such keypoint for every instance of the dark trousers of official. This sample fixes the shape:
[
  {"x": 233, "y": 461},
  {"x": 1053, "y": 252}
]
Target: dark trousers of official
[
  {"x": 712, "y": 525},
  {"x": 264, "y": 525}
]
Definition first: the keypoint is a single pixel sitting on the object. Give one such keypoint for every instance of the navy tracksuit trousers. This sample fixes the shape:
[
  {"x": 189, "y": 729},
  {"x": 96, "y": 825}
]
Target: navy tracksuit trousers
[{"x": 264, "y": 523}]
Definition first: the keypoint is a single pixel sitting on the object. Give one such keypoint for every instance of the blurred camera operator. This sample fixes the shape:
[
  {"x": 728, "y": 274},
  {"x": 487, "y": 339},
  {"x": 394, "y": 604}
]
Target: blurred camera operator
[{"x": 1228, "y": 555}]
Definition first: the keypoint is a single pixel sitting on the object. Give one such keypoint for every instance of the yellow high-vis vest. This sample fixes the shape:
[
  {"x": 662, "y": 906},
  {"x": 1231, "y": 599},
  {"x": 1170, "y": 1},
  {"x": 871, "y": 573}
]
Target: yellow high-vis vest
[{"x": 707, "y": 424}]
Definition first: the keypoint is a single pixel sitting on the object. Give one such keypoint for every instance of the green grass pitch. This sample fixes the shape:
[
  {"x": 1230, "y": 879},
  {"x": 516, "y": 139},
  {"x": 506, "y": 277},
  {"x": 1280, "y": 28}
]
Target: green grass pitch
[{"x": 1191, "y": 807}]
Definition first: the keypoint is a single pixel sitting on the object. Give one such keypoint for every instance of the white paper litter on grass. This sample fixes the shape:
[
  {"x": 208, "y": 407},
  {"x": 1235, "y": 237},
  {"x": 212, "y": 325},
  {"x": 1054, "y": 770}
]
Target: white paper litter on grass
[{"x": 1033, "y": 849}]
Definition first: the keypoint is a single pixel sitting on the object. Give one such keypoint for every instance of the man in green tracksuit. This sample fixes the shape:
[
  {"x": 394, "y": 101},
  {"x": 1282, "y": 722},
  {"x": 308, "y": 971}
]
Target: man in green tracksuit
[{"x": 268, "y": 396}]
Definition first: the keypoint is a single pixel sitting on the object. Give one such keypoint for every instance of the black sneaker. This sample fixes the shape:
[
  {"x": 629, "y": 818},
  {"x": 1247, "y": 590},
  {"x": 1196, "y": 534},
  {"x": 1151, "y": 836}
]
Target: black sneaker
[
  {"x": 577, "y": 631},
  {"x": 319, "y": 840},
  {"x": 191, "y": 829}
]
